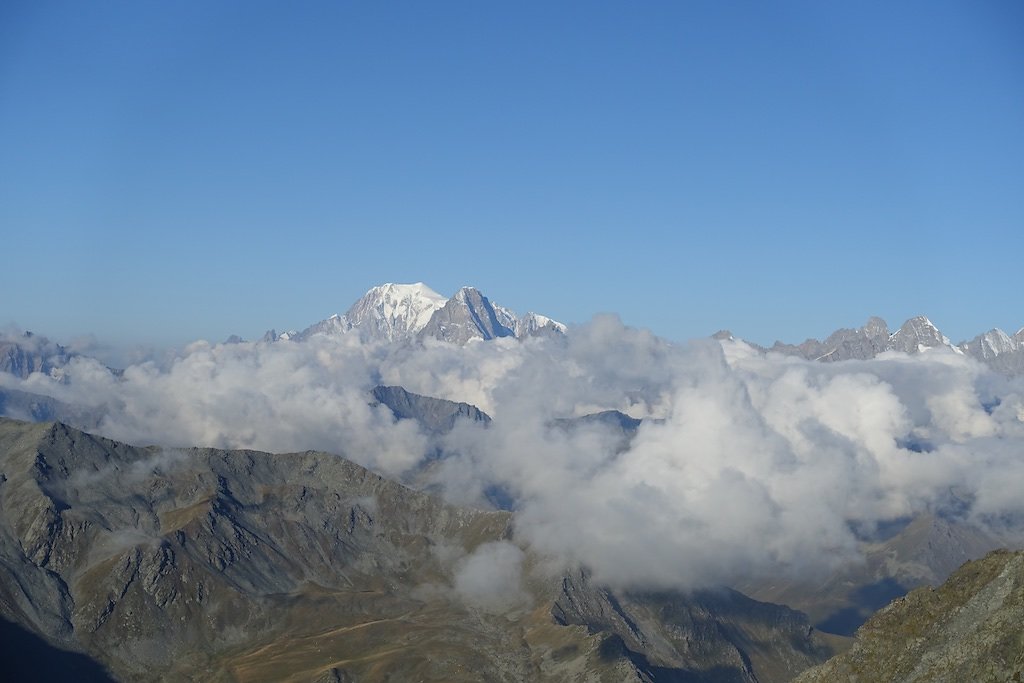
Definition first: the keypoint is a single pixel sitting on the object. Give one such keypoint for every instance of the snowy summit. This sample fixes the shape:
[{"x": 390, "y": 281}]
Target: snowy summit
[{"x": 396, "y": 312}]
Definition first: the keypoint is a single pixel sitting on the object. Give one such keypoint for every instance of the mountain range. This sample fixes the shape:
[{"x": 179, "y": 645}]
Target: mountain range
[
  {"x": 394, "y": 313},
  {"x": 1002, "y": 352},
  {"x": 150, "y": 564}
]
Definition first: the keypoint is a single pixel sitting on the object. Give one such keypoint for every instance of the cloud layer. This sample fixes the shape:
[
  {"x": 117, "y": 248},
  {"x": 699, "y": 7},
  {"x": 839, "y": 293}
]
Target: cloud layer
[{"x": 745, "y": 464}]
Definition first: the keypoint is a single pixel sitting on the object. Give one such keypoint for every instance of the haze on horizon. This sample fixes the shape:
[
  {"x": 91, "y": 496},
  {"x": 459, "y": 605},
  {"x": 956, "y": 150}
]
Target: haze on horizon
[{"x": 194, "y": 170}]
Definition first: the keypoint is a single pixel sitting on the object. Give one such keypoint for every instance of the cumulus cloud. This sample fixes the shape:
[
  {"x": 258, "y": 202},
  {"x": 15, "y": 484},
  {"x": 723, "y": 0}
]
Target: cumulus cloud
[
  {"x": 745, "y": 465},
  {"x": 275, "y": 397},
  {"x": 490, "y": 577}
]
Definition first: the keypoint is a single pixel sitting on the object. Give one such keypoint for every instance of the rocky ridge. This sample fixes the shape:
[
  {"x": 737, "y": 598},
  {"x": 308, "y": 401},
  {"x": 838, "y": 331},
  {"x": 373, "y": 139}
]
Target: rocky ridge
[
  {"x": 239, "y": 565},
  {"x": 923, "y": 551},
  {"x": 1002, "y": 352}
]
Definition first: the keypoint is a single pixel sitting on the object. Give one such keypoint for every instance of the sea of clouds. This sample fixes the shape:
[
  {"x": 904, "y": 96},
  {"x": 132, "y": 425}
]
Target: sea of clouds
[{"x": 745, "y": 465}]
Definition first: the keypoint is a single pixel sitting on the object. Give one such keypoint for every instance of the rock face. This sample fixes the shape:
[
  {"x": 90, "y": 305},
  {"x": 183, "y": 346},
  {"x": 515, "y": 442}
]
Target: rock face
[
  {"x": 1000, "y": 351},
  {"x": 27, "y": 353},
  {"x": 993, "y": 344},
  {"x": 204, "y": 564},
  {"x": 537, "y": 325},
  {"x": 968, "y": 629},
  {"x": 845, "y": 344},
  {"x": 862, "y": 343},
  {"x": 703, "y": 636},
  {"x": 434, "y": 415},
  {"x": 918, "y": 334},
  {"x": 469, "y": 315}
]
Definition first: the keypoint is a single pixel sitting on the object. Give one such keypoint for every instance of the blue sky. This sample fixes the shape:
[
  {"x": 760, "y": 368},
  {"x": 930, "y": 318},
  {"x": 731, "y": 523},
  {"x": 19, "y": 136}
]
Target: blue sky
[{"x": 173, "y": 171}]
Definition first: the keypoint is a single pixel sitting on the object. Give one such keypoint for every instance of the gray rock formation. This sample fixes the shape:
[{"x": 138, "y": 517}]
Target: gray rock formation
[
  {"x": 469, "y": 315},
  {"x": 992, "y": 344},
  {"x": 536, "y": 325},
  {"x": 968, "y": 629},
  {"x": 21, "y": 355},
  {"x": 1001, "y": 352},
  {"x": 434, "y": 415},
  {"x": 862, "y": 343},
  {"x": 845, "y": 344},
  {"x": 716, "y": 635},
  {"x": 918, "y": 334}
]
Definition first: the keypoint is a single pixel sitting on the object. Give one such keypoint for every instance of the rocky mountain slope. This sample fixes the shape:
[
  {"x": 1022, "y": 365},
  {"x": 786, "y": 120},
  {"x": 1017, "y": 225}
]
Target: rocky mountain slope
[
  {"x": 967, "y": 629},
  {"x": 246, "y": 566},
  {"x": 925, "y": 551}
]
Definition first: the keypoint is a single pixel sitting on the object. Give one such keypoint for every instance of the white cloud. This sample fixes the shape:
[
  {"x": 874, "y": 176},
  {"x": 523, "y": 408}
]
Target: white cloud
[
  {"x": 490, "y": 577},
  {"x": 753, "y": 464}
]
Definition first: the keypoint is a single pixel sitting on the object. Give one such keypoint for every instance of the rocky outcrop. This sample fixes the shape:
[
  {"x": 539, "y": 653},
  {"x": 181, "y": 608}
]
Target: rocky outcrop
[
  {"x": 434, "y": 415},
  {"x": 924, "y": 551},
  {"x": 710, "y": 635},
  {"x": 21, "y": 355}
]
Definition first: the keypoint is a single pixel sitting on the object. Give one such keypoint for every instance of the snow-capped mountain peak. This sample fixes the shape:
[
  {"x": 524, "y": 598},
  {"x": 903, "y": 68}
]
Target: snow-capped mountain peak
[
  {"x": 395, "y": 311},
  {"x": 993, "y": 343},
  {"x": 398, "y": 312},
  {"x": 533, "y": 324}
]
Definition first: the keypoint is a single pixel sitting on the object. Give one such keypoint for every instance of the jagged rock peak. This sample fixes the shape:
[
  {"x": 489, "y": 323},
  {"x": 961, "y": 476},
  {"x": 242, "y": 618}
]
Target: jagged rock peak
[
  {"x": 876, "y": 327},
  {"x": 993, "y": 343},
  {"x": 535, "y": 324},
  {"x": 918, "y": 334},
  {"x": 271, "y": 336},
  {"x": 470, "y": 315}
]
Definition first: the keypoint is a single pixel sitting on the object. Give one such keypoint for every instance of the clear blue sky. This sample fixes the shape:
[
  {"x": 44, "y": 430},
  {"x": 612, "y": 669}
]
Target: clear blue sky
[{"x": 180, "y": 170}]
